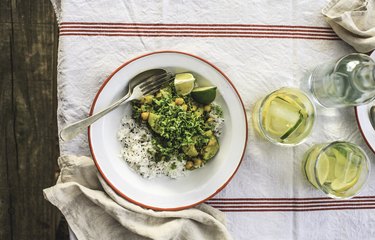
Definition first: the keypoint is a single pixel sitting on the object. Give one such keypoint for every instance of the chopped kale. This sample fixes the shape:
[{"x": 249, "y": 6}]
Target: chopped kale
[{"x": 176, "y": 125}]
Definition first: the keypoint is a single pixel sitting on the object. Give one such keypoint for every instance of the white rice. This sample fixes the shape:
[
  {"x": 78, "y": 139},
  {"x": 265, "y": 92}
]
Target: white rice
[
  {"x": 137, "y": 149},
  {"x": 218, "y": 120}
]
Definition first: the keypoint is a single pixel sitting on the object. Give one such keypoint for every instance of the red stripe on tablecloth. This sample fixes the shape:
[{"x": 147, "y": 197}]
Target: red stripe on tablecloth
[
  {"x": 198, "y": 36},
  {"x": 286, "y": 199},
  {"x": 295, "y": 210},
  {"x": 328, "y": 31},
  {"x": 290, "y": 204},
  {"x": 192, "y": 25},
  {"x": 293, "y": 207},
  {"x": 193, "y": 32}
]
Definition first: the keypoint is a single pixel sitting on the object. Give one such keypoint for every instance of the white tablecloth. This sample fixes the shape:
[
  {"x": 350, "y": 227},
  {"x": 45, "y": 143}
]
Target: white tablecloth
[{"x": 261, "y": 46}]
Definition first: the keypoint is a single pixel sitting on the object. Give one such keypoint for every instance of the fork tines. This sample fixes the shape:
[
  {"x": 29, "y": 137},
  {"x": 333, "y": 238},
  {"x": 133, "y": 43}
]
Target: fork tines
[{"x": 155, "y": 83}]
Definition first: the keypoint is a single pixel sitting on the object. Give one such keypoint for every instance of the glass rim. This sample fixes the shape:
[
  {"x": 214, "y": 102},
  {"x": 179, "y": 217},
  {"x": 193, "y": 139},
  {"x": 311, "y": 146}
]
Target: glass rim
[
  {"x": 264, "y": 132},
  {"x": 337, "y": 61},
  {"x": 324, "y": 149}
]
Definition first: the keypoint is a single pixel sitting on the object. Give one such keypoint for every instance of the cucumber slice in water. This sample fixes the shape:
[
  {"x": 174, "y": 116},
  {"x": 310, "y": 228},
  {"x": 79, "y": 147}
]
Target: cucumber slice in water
[
  {"x": 292, "y": 129},
  {"x": 283, "y": 118}
]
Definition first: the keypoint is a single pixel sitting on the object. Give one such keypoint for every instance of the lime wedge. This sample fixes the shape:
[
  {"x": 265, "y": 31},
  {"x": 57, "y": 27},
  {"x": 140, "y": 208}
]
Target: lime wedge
[
  {"x": 184, "y": 83},
  {"x": 348, "y": 175},
  {"x": 340, "y": 184},
  {"x": 332, "y": 171},
  {"x": 340, "y": 163},
  {"x": 322, "y": 169},
  {"x": 204, "y": 95}
]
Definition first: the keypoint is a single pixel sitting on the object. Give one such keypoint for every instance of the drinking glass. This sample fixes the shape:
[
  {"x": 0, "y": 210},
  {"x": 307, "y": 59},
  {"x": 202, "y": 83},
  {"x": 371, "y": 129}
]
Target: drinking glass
[
  {"x": 349, "y": 81},
  {"x": 339, "y": 169},
  {"x": 284, "y": 117}
]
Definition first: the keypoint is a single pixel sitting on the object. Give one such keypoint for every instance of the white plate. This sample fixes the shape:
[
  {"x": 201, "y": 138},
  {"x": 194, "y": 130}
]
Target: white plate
[
  {"x": 363, "y": 119},
  {"x": 164, "y": 193}
]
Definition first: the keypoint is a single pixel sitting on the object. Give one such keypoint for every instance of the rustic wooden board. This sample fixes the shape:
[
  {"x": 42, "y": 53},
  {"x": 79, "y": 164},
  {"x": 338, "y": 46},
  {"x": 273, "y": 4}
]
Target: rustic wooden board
[
  {"x": 28, "y": 126},
  {"x": 5, "y": 12},
  {"x": 6, "y": 129}
]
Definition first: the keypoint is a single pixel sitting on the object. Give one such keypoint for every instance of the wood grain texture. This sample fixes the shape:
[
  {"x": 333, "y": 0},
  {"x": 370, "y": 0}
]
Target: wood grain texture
[
  {"x": 5, "y": 11},
  {"x": 6, "y": 130},
  {"x": 28, "y": 126}
]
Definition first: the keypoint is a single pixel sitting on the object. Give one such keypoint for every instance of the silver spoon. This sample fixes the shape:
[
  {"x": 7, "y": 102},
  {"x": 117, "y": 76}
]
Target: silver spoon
[{"x": 74, "y": 129}]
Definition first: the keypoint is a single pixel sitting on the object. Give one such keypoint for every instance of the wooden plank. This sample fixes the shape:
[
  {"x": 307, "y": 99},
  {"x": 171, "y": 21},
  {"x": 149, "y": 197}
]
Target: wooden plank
[
  {"x": 32, "y": 12},
  {"x": 28, "y": 122},
  {"x": 45, "y": 13},
  {"x": 5, "y": 12},
  {"x": 35, "y": 131},
  {"x": 7, "y": 147}
]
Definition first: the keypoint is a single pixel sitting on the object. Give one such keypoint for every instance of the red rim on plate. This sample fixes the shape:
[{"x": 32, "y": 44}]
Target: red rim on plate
[
  {"x": 362, "y": 131},
  {"x": 107, "y": 179},
  {"x": 372, "y": 55}
]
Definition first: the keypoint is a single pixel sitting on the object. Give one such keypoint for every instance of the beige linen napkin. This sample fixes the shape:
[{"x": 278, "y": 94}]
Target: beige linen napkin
[
  {"x": 94, "y": 211},
  {"x": 353, "y": 21}
]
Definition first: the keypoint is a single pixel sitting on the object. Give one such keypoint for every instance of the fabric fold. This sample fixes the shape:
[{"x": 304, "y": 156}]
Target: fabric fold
[
  {"x": 353, "y": 21},
  {"x": 94, "y": 211}
]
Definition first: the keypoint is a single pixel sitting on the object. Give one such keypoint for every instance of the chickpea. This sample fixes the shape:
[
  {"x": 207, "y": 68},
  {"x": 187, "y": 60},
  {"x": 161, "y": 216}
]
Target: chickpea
[
  {"x": 209, "y": 120},
  {"x": 211, "y": 142},
  {"x": 145, "y": 115},
  {"x": 179, "y": 101},
  {"x": 207, "y": 108},
  {"x": 197, "y": 163},
  {"x": 199, "y": 112},
  {"x": 189, "y": 165},
  {"x": 184, "y": 107},
  {"x": 158, "y": 95},
  {"x": 194, "y": 107},
  {"x": 147, "y": 99},
  {"x": 208, "y": 133}
]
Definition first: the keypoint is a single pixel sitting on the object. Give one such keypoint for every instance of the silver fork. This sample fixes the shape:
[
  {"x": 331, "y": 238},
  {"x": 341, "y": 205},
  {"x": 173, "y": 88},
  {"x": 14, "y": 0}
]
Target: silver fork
[{"x": 148, "y": 86}]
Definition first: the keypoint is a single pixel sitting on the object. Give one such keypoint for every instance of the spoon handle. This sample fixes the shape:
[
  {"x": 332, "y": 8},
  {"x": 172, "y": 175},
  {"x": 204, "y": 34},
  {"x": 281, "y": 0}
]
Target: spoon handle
[{"x": 72, "y": 130}]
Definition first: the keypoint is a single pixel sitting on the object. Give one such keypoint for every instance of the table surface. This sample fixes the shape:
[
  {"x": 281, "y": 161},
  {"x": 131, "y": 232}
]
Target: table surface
[
  {"x": 28, "y": 126},
  {"x": 28, "y": 102}
]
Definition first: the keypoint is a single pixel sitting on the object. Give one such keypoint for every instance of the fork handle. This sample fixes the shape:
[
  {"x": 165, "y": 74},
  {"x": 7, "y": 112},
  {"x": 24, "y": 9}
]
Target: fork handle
[{"x": 72, "y": 130}]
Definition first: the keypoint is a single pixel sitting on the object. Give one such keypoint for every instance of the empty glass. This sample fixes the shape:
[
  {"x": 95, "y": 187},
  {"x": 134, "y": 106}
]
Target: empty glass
[{"x": 350, "y": 81}]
